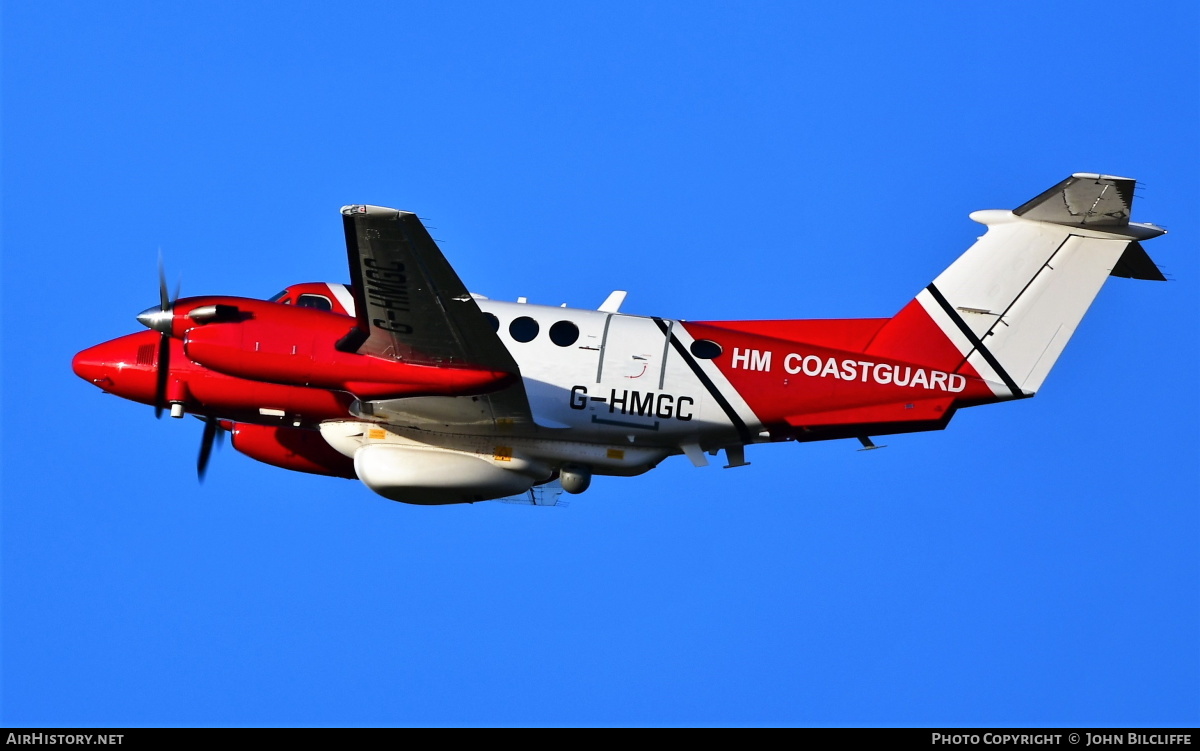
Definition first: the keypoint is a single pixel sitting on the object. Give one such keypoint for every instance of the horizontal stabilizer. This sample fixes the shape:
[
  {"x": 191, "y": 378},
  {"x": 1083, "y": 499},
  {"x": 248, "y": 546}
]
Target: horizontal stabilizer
[
  {"x": 1083, "y": 200},
  {"x": 1135, "y": 263}
]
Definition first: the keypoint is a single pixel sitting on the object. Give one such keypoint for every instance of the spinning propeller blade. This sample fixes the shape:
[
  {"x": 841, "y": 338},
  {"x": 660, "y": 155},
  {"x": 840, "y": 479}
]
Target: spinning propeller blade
[
  {"x": 160, "y": 320},
  {"x": 164, "y": 372},
  {"x": 212, "y": 434}
]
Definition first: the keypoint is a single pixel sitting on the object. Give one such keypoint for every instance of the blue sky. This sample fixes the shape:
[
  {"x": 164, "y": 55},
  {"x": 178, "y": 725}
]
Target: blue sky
[{"x": 1035, "y": 564}]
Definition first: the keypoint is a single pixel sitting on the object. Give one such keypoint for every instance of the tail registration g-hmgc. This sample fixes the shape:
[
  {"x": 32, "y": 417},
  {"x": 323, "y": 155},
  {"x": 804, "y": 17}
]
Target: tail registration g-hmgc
[{"x": 429, "y": 394}]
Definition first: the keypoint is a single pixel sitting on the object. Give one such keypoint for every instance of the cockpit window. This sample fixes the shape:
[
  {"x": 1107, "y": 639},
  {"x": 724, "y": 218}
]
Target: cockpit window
[
  {"x": 317, "y": 302},
  {"x": 278, "y": 297}
]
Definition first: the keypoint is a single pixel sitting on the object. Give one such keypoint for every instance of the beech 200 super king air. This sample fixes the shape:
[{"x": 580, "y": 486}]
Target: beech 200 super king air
[{"x": 431, "y": 395}]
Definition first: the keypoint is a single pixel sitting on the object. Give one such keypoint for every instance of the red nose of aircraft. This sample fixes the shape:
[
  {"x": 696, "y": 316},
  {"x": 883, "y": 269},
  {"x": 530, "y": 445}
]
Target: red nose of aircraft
[{"x": 123, "y": 366}]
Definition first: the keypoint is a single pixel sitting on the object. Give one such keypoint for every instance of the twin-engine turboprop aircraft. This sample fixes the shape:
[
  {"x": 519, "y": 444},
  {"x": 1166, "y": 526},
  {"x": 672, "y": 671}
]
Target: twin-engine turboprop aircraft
[{"x": 431, "y": 395}]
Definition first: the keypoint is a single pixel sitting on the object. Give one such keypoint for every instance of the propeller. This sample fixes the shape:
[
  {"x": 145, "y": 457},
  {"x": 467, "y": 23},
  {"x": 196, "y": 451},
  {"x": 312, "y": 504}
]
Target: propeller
[
  {"x": 159, "y": 319},
  {"x": 164, "y": 372},
  {"x": 213, "y": 433}
]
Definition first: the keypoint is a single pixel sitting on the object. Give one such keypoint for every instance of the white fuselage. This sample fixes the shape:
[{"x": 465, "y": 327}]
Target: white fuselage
[
  {"x": 609, "y": 390},
  {"x": 621, "y": 380}
]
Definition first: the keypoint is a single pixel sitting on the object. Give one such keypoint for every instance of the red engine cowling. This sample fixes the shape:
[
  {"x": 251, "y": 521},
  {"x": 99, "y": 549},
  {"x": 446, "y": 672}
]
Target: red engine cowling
[
  {"x": 291, "y": 448},
  {"x": 264, "y": 341}
]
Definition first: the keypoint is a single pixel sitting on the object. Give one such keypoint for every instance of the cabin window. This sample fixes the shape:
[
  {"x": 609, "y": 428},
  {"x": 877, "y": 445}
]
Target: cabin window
[
  {"x": 316, "y": 302},
  {"x": 564, "y": 333},
  {"x": 524, "y": 329},
  {"x": 493, "y": 321},
  {"x": 279, "y": 298},
  {"x": 705, "y": 349}
]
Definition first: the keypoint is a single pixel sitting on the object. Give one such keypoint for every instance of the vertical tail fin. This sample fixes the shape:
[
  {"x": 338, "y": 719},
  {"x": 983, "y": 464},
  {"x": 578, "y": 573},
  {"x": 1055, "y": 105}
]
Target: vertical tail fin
[{"x": 1006, "y": 308}]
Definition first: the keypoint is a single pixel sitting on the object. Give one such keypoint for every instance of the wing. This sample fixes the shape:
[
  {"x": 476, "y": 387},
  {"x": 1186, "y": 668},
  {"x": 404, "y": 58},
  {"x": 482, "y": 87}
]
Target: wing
[
  {"x": 410, "y": 303},
  {"x": 412, "y": 306}
]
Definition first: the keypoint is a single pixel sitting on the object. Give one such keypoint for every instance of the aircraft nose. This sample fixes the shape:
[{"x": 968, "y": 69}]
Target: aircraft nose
[
  {"x": 124, "y": 366},
  {"x": 94, "y": 364}
]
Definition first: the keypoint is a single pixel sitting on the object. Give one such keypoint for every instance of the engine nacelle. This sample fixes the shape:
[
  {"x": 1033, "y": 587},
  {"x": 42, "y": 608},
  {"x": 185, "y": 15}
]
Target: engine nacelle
[
  {"x": 432, "y": 476},
  {"x": 265, "y": 341},
  {"x": 291, "y": 448},
  {"x": 128, "y": 367}
]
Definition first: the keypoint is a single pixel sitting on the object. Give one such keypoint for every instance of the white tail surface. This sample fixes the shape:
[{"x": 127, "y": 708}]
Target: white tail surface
[{"x": 1013, "y": 300}]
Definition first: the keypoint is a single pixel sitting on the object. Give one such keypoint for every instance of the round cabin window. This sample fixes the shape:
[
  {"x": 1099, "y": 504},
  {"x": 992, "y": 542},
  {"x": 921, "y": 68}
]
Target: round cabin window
[
  {"x": 705, "y": 349},
  {"x": 524, "y": 329},
  {"x": 564, "y": 333}
]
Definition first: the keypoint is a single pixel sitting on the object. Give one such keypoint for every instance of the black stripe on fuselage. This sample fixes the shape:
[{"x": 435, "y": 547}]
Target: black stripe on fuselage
[
  {"x": 738, "y": 424},
  {"x": 976, "y": 342}
]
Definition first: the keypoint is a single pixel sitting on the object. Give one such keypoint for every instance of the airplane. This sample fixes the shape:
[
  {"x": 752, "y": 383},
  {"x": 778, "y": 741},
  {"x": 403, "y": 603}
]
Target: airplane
[{"x": 429, "y": 394}]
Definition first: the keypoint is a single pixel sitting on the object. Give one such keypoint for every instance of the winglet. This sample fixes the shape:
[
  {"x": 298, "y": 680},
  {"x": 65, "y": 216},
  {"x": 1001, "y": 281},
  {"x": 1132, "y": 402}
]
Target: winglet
[{"x": 612, "y": 303}]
